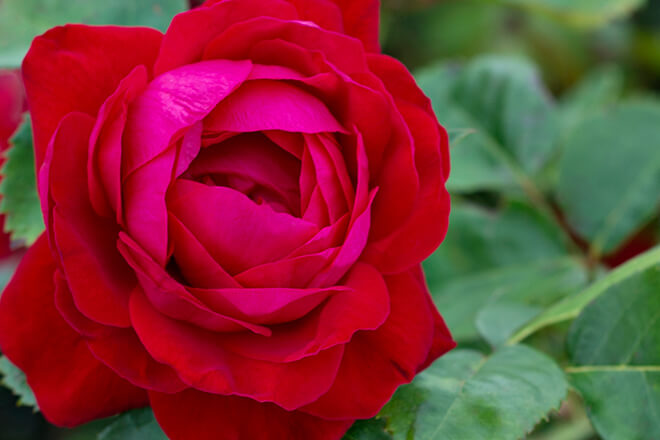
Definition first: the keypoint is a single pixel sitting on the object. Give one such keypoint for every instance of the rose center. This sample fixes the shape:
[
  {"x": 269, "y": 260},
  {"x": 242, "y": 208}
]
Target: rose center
[{"x": 253, "y": 165}]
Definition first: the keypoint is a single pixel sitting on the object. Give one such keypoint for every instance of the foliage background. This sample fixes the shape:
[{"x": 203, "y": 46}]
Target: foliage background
[{"x": 553, "y": 113}]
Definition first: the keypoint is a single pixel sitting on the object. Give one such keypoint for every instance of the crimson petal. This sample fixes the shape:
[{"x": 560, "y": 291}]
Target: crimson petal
[
  {"x": 76, "y": 67},
  {"x": 70, "y": 385},
  {"x": 377, "y": 362},
  {"x": 193, "y": 414}
]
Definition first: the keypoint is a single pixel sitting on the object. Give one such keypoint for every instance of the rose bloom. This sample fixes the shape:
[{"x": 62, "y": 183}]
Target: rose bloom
[
  {"x": 12, "y": 106},
  {"x": 236, "y": 212}
]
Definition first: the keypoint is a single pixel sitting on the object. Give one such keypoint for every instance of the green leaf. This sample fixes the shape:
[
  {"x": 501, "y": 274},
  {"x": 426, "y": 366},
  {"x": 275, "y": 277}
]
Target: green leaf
[
  {"x": 465, "y": 395},
  {"x": 22, "y": 20},
  {"x": 481, "y": 239},
  {"x": 14, "y": 379},
  {"x": 571, "y": 307},
  {"x": 610, "y": 174},
  {"x": 599, "y": 90},
  {"x": 513, "y": 120},
  {"x": 511, "y": 306},
  {"x": 495, "y": 303},
  {"x": 372, "y": 429},
  {"x": 20, "y": 200},
  {"x": 513, "y": 259},
  {"x": 615, "y": 345},
  {"x": 476, "y": 163},
  {"x": 586, "y": 13},
  {"x": 134, "y": 425}
]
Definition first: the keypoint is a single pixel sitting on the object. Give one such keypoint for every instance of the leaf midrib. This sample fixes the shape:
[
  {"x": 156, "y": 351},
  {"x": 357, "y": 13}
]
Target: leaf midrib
[
  {"x": 620, "y": 368},
  {"x": 477, "y": 368},
  {"x": 618, "y": 275}
]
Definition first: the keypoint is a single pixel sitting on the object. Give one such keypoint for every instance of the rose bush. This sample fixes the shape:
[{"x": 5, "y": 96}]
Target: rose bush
[
  {"x": 236, "y": 212},
  {"x": 12, "y": 106}
]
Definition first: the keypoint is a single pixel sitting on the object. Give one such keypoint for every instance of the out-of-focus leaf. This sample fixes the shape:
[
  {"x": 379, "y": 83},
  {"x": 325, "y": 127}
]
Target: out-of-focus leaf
[
  {"x": 513, "y": 118},
  {"x": 615, "y": 345},
  {"x": 495, "y": 303},
  {"x": 22, "y": 20},
  {"x": 139, "y": 424},
  {"x": 480, "y": 239},
  {"x": 571, "y": 307},
  {"x": 466, "y": 395},
  {"x": 476, "y": 162},
  {"x": 599, "y": 90},
  {"x": 514, "y": 261},
  {"x": 507, "y": 98},
  {"x": 586, "y": 13},
  {"x": 609, "y": 178},
  {"x": 511, "y": 306},
  {"x": 20, "y": 201},
  {"x": 464, "y": 28},
  {"x": 14, "y": 379}
]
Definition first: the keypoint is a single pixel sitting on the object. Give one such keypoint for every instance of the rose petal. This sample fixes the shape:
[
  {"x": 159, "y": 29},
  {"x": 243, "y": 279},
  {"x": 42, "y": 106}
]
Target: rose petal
[
  {"x": 363, "y": 306},
  {"x": 98, "y": 277},
  {"x": 361, "y": 20},
  {"x": 238, "y": 233},
  {"x": 70, "y": 313},
  {"x": 201, "y": 361},
  {"x": 196, "y": 264},
  {"x": 104, "y": 163},
  {"x": 193, "y": 414},
  {"x": 144, "y": 193},
  {"x": 70, "y": 385},
  {"x": 190, "y": 31},
  {"x": 172, "y": 299},
  {"x": 401, "y": 84},
  {"x": 123, "y": 352},
  {"x": 76, "y": 68},
  {"x": 377, "y": 362},
  {"x": 253, "y": 157},
  {"x": 424, "y": 230},
  {"x": 349, "y": 251},
  {"x": 271, "y": 105},
  {"x": 171, "y": 105},
  {"x": 266, "y": 305},
  {"x": 325, "y": 13},
  {"x": 331, "y": 178},
  {"x": 174, "y": 101},
  {"x": 238, "y": 41},
  {"x": 295, "y": 272}
]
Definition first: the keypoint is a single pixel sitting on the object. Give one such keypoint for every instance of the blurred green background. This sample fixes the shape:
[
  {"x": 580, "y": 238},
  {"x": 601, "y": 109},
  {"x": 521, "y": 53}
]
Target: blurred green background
[{"x": 589, "y": 54}]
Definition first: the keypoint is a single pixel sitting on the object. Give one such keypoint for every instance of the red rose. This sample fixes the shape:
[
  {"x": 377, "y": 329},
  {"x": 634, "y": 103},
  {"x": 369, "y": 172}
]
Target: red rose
[
  {"x": 12, "y": 106},
  {"x": 235, "y": 216}
]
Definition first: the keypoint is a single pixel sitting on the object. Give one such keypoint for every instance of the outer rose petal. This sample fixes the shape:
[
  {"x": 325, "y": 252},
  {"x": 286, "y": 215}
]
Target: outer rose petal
[
  {"x": 70, "y": 385},
  {"x": 99, "y": 279},
  {"x": 76, "y": 67},
  {"x": 376, "y": 362},
  {"x": 190, "y": 31},
  {"x": 412, "y": 241},
  {"x": 357, "y": 18},
  {"x": 200, "y": 416},
  {"x": 401, "y": 84},
  {"x": 361, "y": 19},
  {"x": 201, "y": 360}
]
